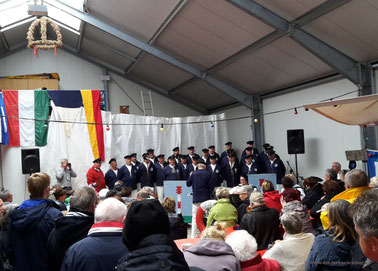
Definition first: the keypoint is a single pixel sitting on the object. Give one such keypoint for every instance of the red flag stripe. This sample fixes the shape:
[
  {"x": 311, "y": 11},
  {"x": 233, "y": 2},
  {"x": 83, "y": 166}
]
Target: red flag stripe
[
  {"x": 11, "y": 107},
  {"x": 98, "y": 119}
]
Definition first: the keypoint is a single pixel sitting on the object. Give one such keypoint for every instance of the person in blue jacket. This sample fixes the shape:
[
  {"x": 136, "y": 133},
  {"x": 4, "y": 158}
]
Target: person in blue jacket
[
  {"x": 276, "y": 166},
  {"x": 191, "y": 153},
  {"x": 254, "y": 151},
  {"x": 225, "y": 153},
  {"x": 230, "y": 172},
  {"x": 128, "y": 175},
  {"x": 213, "y": 153},
  {"x": 183, "y": 165},
  {"x": 216, "y": 173},
  {"x": 146, "y": 172},
  {"x": 199, "y": 180},
  {"x": 160, "y": 165},
  {"x": 103, "y": 246},
  {"x": 249, "y": 166},
  {"x": 30, "y": 225},
  {"x": 205, "y": 156},
  {"x": 172, "y": 171},
  {"x": 176, "y": 154},
  {"x": 263, "y": 159},
  {"x": 194, "y": 165},
  {"x": 151, "y": 155},
  {"x": 111, "y": 174}
]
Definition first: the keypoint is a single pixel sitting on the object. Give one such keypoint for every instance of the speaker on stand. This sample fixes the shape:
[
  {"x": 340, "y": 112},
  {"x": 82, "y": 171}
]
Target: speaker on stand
[
  {"x": 30, "y": 164},
  {"x": 295, "y": 145}
]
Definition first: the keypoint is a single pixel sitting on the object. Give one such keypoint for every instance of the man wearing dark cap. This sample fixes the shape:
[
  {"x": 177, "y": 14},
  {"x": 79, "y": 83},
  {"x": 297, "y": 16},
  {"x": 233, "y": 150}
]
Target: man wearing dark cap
[
  {"x": 263, "y": 159},
  {"x": 111, "y": 174},
  {"x": 191, "y": 152},
  {"x": 136, "y": 164},
  {"x": 200, "y": 181},
  {"x": 228, "y": 146},
  {"x": 205, "y": 156},
  {"x": 213, "y": 153},
  {"x": 146, "y": 234},
  {"x": 146, "y": 172},
  {"x": 176, "y": 154},
  {"x": 151, "y": 155},
  {"x": 160, "y": 165},
  {"x": 193, "y": 166},
  {"x": 172, "y": 170},
  {"x": 128, "y": 175},
  {"x": 183, "y": 165},
  {"x": 255, "y": 152},
  {"x": 95, "y": 177},
  {"x": 246, "y": 152},
  {"x": 249, "y": 166},
  {"x": 216, "y": 173},
  {"x": 276, "y": 165},
  {"x": 230, "y": 170}
]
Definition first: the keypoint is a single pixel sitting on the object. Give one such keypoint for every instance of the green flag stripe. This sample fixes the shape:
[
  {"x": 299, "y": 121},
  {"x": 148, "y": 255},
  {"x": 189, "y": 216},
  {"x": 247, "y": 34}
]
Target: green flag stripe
[{"x": 41, "y": 111}]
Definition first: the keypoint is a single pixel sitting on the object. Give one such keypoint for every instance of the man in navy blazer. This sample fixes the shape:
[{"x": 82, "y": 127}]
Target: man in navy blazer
[
  {"x": 128, "y": 175},
  {"x": 172, "y": 171},
  {"x": 225, "y": 153},
  {"x": 230, "y": 170},
  {"x": 146, "y": 172},
  {"x": 193, "y": 166},
  {"x": 249, "y": 166},
  {"x": 255, "y": 152},
  {"x": 191, "y": 153},
  {"x": 199, "y": 180},
  {"x": 183, "y": 165},
  {"x": 111, "y": 174},
  {"x": 205, "y": 156},
  {"x": 215, "y": 173},
  {"x": 160, "y": 165},
  {"x": 213, "y": 153},
  {"x": 276, "y": 166}
]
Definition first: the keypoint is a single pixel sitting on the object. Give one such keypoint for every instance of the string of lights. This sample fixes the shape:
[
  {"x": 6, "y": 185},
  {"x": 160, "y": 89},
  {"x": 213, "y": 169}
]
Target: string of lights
[{"x": 255, "y": 117}]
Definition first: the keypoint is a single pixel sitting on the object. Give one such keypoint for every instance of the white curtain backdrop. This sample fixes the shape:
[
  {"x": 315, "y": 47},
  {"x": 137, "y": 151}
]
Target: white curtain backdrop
[{"x": 125, "y": 139}]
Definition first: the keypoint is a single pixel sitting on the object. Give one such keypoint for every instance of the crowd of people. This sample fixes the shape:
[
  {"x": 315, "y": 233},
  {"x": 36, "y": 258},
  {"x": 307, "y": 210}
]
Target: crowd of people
[{"x": 115, "y": 224}]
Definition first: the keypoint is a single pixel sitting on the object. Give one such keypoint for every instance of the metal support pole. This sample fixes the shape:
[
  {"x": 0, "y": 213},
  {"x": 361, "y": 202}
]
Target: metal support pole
[
  {"x": 256, "y": 122},
  {"x": 105, "y": 78},
  {"x": 296, "y": 169}
]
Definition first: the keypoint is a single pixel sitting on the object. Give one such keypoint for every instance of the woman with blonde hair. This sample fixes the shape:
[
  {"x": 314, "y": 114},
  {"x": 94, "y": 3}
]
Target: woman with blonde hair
[
  {"x": 211, "y": 252},
  {"x": 176, "y": 221},
  {"x": 272, "y": 197},
  {"x": 333, "y": 249}
]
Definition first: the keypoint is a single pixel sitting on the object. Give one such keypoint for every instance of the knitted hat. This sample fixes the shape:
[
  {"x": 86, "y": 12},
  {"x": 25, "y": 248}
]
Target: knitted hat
[{"x": 144, "y": 218}]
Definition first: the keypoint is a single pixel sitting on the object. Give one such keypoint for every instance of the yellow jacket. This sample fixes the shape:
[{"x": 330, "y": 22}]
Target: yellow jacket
[{"x": 349, "y": 195}]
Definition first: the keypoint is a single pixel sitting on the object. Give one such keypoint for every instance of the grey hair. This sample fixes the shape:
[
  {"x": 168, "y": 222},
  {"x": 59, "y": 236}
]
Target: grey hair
[
  {"x": 338, "y": 164},
  {"x": 257, "y": 198},
  {"x": 365, "y": 213},
  {"x": 84, "y": 199},
  {"x": 374, "y": 181},
  {"x": 110, "y": 209},
  {"x": 292, "y": 222},
  {"x": 332, "y": 174},
  {"x": 243, "y": 244},
  {"x": 63, "y": 160},
  {"x": 356, "y": 178},
  {"x": 148, "y": 189},
  {"x": 222, "y": 192},
  {"x": 246, "y": 189},
  {"x": 4, "y": 195},
  {"x": 201, "y": 166}
]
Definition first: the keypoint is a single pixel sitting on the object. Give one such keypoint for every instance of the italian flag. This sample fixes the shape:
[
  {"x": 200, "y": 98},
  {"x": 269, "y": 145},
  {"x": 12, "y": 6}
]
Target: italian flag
[{"x": 26, "y": 112}]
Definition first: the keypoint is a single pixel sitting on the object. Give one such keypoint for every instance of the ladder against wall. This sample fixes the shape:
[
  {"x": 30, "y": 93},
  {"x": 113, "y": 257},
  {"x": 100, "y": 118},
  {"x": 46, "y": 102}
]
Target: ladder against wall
[{"x": 148, "y": 108}]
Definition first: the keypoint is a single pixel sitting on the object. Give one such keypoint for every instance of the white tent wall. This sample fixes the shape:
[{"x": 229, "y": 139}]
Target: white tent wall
[{"x": 325, "y": 139}]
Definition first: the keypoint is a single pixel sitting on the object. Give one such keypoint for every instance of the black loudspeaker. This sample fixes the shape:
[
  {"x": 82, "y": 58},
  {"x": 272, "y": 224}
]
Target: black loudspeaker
[
  {"x": 30, "y": 161},
  {"x": 295, "y": 141}
]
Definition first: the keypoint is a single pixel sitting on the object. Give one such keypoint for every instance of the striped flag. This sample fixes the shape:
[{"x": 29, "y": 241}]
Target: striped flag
[
  {"x": 22, "y": 107},
  {"x": 91, "y": 101},
  {"x": 3, "y": 122}
]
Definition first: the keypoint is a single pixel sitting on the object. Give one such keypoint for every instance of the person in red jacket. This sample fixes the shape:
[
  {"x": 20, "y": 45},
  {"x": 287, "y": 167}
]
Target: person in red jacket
[
  {"x": 95, "y": 177},
  {"x": 272, "y": 197}
]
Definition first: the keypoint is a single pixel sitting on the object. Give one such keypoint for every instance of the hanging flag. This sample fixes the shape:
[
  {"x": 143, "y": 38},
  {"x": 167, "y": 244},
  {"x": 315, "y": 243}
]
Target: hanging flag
[
  {"x": 91, "y": 101},
  {"x": 23, "y": 108},
  {"x": 372, "y": 162},
  {"x": 4, "y": 122}
]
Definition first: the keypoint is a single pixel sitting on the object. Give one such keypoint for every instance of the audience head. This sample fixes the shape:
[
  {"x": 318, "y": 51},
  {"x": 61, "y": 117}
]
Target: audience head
[
  {"x": 243, "y": 244},
  {"x": 148, "y": 189},
  {"x": 355, "y": 178},
  {"x": 169, "y": 205},
  {"x": 365, "y": 217},
  {"x": 144, "y": 218},
  {"x": 341, "y": 222},
  {"x": 310, "y": 182},
  {"x": 6, "y": 196},
  {"x": 257, "y": 198},
  {"x": 142, "y": 194},
  {"x": 2, "y": 208},
  {"x": 373, "y": 182},
  {"x": 114, "y": 194},
  {"x": 201, "y": 166},
  {"x": 243, "y": 179},
  {"x": 245, "y": 192},
  {"x": 126, "y": 191},
  {"x": 110, "y": 209},
  {"x": 222, "y": 193},
  {"x": 39, "y": 185},
  {"x": 118, "y": 185},
  {"x": 336, "y": 166},
  {"x": 290, "y": 194},
  {"x": 330, "y": 174},
  {"x": 216, "y": 232},
  {"x": 267, "y": 186},
  {"x": 331, "y": 188},
  {"x": 291, "y": 222},
  {"x": 60, "y": 194},
  {"x": 102, "y": 193},
  {"x": 84, "y": 199},
  {"x": 342, "y": 174},
  {"x": 287, "y": 182}
]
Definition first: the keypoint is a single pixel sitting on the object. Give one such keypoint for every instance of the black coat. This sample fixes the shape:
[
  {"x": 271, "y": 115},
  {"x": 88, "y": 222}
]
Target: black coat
[
  {"x": 216, "y": 176},
  {"x": 277, "y": 167},
  {"x": 155, "y": 252},
  {"x": 242, "y": 209},
  {"x": 68, "y": 230},
  {"x": 129, "y": 178},
  {"x": 200, "y": 181},
  {"x": 184, "y": 171},
  {"x": 110, "y": 179},
  {"x": 317, "y": 207},
  {"x": 172, "y": 173},
  {"x": 178, "y": 228},
  {"x": 146, "y": 178},
  {"x": 231, "y": 175},
  {"x": 313, "y": 196},
  {"x": 263, "y": 224},
  {"x": 160, "y": 173}
]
